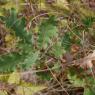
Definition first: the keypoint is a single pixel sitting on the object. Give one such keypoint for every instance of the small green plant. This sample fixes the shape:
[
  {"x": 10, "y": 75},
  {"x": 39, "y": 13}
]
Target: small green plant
[{"x": 48, "y": 47}]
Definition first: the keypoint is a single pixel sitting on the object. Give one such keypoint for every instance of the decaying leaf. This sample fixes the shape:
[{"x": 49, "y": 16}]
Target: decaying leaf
[{"x": 86, "y": 62}]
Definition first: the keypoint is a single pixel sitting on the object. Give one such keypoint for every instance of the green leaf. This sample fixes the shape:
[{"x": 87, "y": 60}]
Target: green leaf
[
  {"x": 9, "y": 62},
  {"x": 66, "y": 41},
  {"x": 74, "y": 75},
  {"x": 31, "y": 59},
  {"x": 47, "y": 31},
  {"x": 44, "y": 75},
  {"x": 58, "y": 50},
  {"x": 77, "y": 82},
  {"x": 11, "y": 19},
  {"x": 88, "y": 21},
  {"x": 88, "y": 91},
  {"x": 18, "y": 25}
]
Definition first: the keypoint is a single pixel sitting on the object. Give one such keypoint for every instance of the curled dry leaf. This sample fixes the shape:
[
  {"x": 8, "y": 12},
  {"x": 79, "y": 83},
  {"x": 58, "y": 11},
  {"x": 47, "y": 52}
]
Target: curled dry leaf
[
  {"x": 74, "y": 48},
  {"x": 86, "y": 62}
]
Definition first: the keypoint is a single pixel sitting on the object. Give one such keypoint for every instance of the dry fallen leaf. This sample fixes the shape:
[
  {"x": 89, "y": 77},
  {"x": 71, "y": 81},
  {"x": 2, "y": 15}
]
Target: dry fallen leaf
[
  {"x": 86, "y": 62},
  {"x": 74, "y": 48}
]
